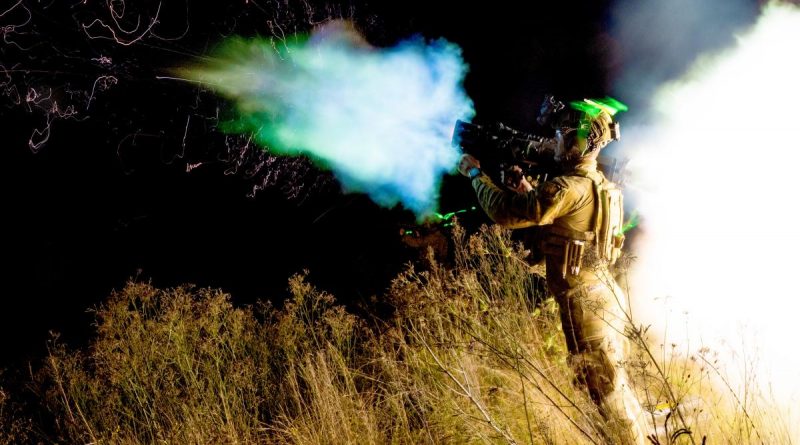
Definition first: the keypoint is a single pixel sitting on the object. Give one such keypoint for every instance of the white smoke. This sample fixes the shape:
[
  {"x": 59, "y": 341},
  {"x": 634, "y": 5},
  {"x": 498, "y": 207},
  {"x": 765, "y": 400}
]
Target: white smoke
[{"x": 715, "y": 178}]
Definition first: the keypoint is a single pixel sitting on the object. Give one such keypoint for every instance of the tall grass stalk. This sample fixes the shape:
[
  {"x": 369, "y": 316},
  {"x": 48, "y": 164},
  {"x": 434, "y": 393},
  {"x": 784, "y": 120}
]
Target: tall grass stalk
[{"x": 472, "y": 353}]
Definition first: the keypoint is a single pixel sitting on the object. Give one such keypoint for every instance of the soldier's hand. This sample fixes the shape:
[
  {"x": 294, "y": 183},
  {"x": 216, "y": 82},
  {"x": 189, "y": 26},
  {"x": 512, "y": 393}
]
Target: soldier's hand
[
  {"x": 524, "y": 185},
  {"x": 466, "y": 163},
  {"x": 514, "y": 178}
]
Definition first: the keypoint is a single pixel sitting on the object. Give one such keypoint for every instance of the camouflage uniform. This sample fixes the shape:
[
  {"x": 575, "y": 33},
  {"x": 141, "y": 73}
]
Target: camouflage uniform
[{"x": 592, "y": 306}]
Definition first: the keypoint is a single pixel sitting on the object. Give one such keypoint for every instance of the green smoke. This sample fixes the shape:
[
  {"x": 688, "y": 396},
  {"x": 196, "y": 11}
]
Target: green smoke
[{"x": 380, "y": 119}]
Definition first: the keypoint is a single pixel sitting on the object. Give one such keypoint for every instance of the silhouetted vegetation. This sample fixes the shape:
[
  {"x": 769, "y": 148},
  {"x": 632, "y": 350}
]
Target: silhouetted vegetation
[{"x": 470, "y": 355}]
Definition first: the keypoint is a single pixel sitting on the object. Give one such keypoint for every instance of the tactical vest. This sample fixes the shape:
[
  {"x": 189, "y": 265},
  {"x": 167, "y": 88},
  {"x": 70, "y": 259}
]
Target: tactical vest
[
  {"x": 609, "y": 221},
  {"x": 606, "y": 237}
]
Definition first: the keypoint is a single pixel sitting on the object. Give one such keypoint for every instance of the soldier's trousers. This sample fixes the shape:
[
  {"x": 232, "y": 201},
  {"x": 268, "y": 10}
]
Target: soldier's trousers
[{"x": 593, "y": 319}]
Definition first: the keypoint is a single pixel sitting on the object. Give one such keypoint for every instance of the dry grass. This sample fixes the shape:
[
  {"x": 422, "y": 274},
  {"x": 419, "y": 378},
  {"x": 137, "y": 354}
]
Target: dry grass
[
  {"x": 15, "y": 428},
  {"x": 467, "y": 357}
]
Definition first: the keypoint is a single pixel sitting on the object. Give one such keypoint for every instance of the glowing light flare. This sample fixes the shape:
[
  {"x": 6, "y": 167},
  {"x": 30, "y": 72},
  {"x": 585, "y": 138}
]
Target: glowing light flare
[
  {"x": 117, "y": 32},
  {"x": 593, "y": 107},
  {"x": 632, "y": 222},
  {"x": 8, "y": 29},
  {"x": 447, "y": 218},
  {"x": 102, "y": 83},
  {"x": 381, "y": 119},
  {"x": 716, "y": 185}
]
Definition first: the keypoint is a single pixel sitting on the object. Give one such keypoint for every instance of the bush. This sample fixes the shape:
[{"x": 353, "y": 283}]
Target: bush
[{"x": 471, "y": 354}]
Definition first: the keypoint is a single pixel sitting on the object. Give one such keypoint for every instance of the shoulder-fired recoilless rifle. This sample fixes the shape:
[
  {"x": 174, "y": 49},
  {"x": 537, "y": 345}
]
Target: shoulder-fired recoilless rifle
[{"x": 500, "y": 146}]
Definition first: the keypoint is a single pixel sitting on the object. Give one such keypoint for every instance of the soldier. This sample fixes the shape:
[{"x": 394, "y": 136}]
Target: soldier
[
  {"x": 425, "y": 236},
  {"x": 580, "y": 212}
]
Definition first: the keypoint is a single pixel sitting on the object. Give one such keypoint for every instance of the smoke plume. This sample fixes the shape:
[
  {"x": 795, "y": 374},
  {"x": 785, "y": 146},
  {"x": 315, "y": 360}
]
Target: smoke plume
[{"x": 380, "y": 119}]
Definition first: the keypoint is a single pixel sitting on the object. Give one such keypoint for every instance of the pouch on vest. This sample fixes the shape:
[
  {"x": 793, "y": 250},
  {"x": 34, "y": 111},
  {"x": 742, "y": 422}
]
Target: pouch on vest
[
  {"x": 609, "y": 236},
  {"x": 573, "y": 258}
]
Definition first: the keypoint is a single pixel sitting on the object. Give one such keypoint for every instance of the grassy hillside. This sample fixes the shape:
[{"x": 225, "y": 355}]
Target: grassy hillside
[{"x": 470, "y": 354}]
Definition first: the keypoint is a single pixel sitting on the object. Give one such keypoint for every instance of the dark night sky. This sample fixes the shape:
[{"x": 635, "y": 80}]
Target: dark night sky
[{"x": 108, "y": 197}]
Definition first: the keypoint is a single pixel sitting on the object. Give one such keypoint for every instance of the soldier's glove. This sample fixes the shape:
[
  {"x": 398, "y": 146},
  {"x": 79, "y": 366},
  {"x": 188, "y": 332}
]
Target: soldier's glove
[
  {"x": 467, "y": 163},
  {"x": 514, "y": 178}
]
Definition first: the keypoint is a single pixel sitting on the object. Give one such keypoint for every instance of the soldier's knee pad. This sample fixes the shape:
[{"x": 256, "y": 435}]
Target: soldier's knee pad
[{"x": 595, "y": 370}]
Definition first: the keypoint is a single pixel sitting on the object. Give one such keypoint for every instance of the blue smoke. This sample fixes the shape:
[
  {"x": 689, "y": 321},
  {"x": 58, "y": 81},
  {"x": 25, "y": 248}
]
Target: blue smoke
[{"x": 381, "y": 119}]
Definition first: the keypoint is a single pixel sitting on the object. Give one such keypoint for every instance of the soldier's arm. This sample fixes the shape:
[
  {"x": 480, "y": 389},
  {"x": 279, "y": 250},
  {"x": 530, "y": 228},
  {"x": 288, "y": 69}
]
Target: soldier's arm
[{"x": 537, "y": 207}]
